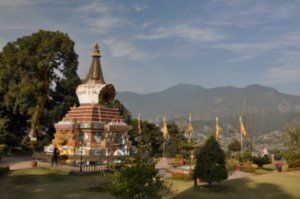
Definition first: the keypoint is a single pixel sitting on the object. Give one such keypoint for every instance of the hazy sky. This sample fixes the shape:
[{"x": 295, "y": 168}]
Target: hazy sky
[{"x": 150, "y": 45}]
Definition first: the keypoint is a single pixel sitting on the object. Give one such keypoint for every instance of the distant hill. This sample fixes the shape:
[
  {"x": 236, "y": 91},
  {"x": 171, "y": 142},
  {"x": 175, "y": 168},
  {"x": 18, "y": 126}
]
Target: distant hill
[{"x": 265, "y": 108}]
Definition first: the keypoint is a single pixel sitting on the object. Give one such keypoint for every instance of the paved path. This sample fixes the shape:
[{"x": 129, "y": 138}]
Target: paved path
[
  {"x": 17, "y": 162},
  {"x": 239, "y": 174}
]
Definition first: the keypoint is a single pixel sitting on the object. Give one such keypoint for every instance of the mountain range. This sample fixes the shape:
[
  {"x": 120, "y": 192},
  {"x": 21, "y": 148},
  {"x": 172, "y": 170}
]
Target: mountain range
[{"x": 264, "y": 109}]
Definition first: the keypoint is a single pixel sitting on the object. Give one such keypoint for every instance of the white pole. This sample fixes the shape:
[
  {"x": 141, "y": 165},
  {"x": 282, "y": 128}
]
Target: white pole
[
  {"x": 241, "y": 142},
  {"x": 164, "y": 149}
]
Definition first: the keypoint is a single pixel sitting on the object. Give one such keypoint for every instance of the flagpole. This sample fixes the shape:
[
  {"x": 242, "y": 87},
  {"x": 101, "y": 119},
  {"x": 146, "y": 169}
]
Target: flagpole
[
  {"x": 164, "y": 148},
  {"x": 216, "y": 128},
  {"x": 241, "y": 142}
]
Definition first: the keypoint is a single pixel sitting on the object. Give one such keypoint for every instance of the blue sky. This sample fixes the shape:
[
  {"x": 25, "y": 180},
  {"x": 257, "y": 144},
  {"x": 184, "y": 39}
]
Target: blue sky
[{"x": 150, "y": 45}]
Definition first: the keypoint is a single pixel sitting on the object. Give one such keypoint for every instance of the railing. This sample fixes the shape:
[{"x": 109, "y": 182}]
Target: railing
[{"x": 73, "y": 168}]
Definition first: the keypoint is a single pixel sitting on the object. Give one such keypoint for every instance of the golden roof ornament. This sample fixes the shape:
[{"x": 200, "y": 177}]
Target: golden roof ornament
[
  {"x": 96, "y": 52},
  {"x": 95, "y": 73}
]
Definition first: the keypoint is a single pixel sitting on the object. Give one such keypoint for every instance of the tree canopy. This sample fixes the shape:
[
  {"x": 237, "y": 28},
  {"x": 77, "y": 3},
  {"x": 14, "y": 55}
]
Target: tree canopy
[{"x": 37, "y": 83}]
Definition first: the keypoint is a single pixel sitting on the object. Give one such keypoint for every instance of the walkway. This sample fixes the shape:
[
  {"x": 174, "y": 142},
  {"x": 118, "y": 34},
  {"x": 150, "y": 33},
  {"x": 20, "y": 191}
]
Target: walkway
[{"x": 17, "y": 162}]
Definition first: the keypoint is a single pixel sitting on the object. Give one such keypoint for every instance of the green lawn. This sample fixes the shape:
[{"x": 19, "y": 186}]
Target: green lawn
[
  {"x": 273, "y": 185},
  {"x": 44, "y": 183}
]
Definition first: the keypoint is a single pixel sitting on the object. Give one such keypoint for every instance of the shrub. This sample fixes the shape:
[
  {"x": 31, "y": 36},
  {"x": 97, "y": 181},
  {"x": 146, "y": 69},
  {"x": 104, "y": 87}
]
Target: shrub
[
  {"x": 248, "y": 167},
  {"x": 293, "y": 158},
  {"x": 4, "y": 169},
  {"x": 182, "y": 176},
  {"x": 232, "y": 165},
  {"x": 278, "y": 155},
  {"x": 138, "y": 180},
  {"x": 260, "y": 161},
  {"x": 246, "y": 156}
]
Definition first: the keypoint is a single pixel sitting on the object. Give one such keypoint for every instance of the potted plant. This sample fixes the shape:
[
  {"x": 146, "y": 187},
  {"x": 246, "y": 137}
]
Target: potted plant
[
  {"x": 278, "y": 166},
  {"x": 34, "y": 163}
]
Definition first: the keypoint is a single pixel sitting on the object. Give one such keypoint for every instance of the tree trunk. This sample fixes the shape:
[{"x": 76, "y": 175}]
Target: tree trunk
[{"x": 35, "y": 122}]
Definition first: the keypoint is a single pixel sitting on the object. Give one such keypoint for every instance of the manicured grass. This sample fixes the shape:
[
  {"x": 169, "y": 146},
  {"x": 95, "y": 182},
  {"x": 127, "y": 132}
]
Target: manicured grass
[
  {"x": 44, "y": 183},
  {"x": 273, "y": 185}
]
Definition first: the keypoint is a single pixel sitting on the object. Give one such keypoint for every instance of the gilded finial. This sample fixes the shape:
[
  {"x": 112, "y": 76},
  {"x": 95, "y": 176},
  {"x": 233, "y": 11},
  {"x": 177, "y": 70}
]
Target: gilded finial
[
  {"x": 95, "y": 72},
  {"x": 96, "y": 52}
]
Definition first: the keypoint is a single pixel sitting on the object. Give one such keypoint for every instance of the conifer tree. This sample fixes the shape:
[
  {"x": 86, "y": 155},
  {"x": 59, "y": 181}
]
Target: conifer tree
[{"x": 210, "y": 162}]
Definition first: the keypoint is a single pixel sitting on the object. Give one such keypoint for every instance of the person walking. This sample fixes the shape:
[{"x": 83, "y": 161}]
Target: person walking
[{"x": 55, "y": 156}]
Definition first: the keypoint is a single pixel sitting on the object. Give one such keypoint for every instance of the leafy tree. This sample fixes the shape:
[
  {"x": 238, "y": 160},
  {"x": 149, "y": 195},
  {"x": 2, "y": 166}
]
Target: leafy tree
[
  {"x": 123, "y": 110},
  {"x": 174, "y": 142},
  {"x": 186, "y": 148},
  {"x": 210, "y": 162},
  {"x": 138, "y": 180},
  {"x": 234, "y": 146},
  {"x": 291, "y": 138},
  {"x": 293, "y": 158},
  {"x": 151, "y": 138},
  {"x": 37, "y": 82},
  {"x": 278, "y": 155}
]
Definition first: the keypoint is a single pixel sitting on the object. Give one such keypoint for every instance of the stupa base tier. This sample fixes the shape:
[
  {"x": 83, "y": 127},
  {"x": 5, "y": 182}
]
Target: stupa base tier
[{"x": 89, "y": 151}]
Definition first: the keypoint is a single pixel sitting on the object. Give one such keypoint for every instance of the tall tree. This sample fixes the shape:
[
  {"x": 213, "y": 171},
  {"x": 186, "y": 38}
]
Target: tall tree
[
  {"x": 150, "y": 139},
  {"x": 291, "y": 138},
  {"x": 173, "y": 145},
  {"x": 210, "y": 162},
  {"x": 38, "y": 80}
]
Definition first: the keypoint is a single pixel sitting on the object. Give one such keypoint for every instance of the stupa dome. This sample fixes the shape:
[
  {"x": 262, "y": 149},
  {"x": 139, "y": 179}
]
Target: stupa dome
[{"x": 94, "y": 90}]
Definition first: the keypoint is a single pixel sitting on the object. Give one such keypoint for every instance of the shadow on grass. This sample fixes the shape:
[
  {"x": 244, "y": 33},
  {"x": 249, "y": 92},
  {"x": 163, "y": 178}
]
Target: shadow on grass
[
  {"x": 237, "y": 189},
  {"x": 44, "y": 183}
]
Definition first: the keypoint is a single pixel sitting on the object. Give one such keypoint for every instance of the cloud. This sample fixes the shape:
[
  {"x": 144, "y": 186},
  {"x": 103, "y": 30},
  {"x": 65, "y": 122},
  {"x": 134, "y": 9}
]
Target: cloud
[
  {"x": 247, "y": 14},
  {"x": 13, "y": 2},
  {"x": 280, "y": 46},
  {"x": 94, "y": 7},
  {"x": 103, "y": 16},
  {"x": 245, "y": 51},
  {"x": 107, "y": 23},
  {"x": 282, "y": 74},
  {"x": 139, "y": 8},
  {"x": 125, "y": 49},
  {"x": 185, "y": 32}
]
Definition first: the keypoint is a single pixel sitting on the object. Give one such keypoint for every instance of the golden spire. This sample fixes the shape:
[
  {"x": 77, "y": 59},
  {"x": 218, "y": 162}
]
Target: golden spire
[
  {"x": 190, "y": 128},
  {"x": 95, "y": 73},
  {"x": 96, "y": 52}
]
